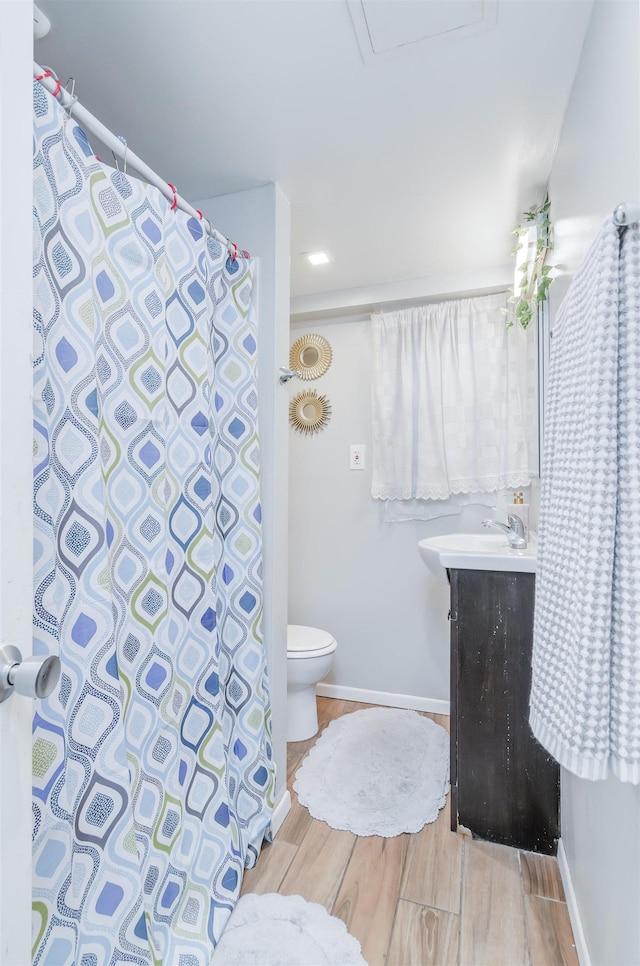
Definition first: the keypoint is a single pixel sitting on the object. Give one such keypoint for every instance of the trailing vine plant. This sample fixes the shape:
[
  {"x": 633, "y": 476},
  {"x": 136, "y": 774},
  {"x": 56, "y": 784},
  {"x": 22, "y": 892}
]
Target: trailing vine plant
[{"x": 535, "y": 276}]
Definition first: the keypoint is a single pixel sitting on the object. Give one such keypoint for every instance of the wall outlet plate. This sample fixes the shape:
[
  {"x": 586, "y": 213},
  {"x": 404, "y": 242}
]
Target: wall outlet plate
[{"x": 357, "y": 453}]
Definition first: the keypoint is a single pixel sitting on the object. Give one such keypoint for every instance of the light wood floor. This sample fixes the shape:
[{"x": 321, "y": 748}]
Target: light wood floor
[{"x": 435, "y": 897}]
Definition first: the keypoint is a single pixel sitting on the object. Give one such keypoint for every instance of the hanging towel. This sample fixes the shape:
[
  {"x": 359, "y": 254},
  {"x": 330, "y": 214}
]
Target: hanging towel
[{"x": 585, "y": 693}]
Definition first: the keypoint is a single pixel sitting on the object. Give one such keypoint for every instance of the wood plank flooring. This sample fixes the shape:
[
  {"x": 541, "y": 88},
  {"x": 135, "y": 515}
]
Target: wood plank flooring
[{"x": 435, "y": 897}]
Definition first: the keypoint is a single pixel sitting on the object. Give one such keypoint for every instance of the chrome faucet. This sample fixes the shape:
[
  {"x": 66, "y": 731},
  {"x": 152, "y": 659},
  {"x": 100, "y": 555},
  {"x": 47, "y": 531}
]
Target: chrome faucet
[{"x": 514, "y": 530}]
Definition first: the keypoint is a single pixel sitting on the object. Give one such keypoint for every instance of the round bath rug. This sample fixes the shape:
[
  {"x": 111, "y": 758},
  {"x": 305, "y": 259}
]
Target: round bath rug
[
  {"x": 377, "y": 772},
  {"x": 273, "y": 930}
]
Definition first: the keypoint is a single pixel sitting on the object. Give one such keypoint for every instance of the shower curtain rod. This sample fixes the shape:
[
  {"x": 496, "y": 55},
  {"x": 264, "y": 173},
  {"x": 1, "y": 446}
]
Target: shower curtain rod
[{"x": 72, "y": 106}]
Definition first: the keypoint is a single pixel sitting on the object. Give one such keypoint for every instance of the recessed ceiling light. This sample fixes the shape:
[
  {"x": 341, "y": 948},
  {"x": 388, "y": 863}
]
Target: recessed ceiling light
[{"x": 318, "y": 258}]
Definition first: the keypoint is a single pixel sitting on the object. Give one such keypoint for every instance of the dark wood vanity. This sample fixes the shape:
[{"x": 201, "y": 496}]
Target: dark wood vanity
[{"x": 504, "y": 786}]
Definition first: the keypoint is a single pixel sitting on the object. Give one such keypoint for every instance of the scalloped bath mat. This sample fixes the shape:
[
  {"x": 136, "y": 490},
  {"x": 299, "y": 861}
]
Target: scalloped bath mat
[
  {"x": 380, "y": 771},
  {"x": 273, "y": 930}
]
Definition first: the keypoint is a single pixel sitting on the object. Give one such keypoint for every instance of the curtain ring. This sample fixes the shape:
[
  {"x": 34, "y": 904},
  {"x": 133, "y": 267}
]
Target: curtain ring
[
  {"x": 175, "y": 196},
  {"x": 47, "y": 72}
]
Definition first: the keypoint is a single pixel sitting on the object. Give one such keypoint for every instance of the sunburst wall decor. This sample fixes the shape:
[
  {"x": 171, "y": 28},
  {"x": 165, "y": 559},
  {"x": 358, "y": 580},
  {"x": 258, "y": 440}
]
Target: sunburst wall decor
[
  {"x": 310, "y": 355},
  {"x": 309, "y": 412}
]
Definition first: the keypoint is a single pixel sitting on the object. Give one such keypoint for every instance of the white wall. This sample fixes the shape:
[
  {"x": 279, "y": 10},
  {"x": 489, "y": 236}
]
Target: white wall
[
  {"x": 328, "y": 305},
  {"x": 259, "y": 220},
  {"x": 349, "y": 572},
  {"x": 597, "y": 166}
]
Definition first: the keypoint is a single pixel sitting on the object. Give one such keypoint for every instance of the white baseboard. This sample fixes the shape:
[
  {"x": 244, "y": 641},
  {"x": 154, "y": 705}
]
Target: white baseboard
[
  {"x": 386, "y": 698},
  {"x": 572, "y": 905},
  {"x": 280, "y": 811}
]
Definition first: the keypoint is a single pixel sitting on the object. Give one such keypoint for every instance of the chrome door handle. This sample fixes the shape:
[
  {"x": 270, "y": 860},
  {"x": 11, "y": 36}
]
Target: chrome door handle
[{"x": 35, "y": 677}]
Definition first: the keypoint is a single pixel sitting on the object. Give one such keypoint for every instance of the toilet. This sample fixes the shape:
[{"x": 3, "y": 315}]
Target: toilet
[{"x": 309, "y": 657}]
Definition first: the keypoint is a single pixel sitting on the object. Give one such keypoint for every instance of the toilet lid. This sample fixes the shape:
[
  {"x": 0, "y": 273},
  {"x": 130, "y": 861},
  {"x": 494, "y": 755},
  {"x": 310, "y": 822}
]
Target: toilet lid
[{"x": 305, "y": 641}]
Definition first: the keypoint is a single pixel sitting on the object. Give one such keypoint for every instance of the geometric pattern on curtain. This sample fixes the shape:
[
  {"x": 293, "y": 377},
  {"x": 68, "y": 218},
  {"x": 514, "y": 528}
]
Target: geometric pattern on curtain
[{"x": 152, "y": 767}]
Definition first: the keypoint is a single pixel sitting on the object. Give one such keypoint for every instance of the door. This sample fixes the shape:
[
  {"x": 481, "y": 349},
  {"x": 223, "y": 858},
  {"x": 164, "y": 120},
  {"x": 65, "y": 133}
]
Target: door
[{"x": 16, "y": 58}]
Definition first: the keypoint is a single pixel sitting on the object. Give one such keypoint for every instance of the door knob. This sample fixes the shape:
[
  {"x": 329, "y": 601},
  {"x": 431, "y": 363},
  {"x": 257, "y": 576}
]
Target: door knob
[{"x": 35, "y": 677}]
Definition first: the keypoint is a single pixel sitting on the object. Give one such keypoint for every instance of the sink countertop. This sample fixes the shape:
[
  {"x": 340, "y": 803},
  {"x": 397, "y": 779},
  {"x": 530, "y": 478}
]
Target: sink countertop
[{"x": 477, "y": 551}]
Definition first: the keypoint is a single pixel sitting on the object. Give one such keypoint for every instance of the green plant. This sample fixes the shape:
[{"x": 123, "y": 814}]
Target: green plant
[{"x": 535, "y": 277}]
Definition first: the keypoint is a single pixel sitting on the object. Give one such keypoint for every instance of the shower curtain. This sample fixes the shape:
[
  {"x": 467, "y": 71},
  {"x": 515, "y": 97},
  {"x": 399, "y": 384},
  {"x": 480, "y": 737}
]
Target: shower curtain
[{"x": 152, "y": 763}]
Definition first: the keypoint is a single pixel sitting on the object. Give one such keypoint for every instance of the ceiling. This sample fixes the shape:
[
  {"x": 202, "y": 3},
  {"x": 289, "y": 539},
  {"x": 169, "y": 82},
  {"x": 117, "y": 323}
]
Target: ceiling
[{"x": 408, "y": 135}]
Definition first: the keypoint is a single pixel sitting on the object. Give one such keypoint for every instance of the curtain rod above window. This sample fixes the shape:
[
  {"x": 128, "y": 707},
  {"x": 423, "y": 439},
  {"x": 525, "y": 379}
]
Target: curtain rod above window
[{"x": 119, "y": 147}]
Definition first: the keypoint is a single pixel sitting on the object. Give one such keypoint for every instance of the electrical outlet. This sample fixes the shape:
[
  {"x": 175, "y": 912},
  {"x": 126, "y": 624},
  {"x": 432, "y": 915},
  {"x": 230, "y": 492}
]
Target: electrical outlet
[{"x": 357, "y": 453}]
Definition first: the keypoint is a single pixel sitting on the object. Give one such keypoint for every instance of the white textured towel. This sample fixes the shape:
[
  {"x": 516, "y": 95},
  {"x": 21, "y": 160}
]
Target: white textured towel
[{"x": 585, "y": 694}]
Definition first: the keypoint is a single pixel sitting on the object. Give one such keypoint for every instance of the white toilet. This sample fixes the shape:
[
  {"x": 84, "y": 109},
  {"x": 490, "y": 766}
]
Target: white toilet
[{"x": 309, "y": 657}]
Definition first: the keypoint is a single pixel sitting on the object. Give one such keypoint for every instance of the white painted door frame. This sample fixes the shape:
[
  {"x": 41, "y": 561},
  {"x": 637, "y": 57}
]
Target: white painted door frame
[{"x": 16, "y": 569}]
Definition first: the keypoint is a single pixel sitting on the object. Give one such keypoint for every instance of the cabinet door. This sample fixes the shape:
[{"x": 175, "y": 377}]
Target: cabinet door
[{"x": 507, "y": 785}]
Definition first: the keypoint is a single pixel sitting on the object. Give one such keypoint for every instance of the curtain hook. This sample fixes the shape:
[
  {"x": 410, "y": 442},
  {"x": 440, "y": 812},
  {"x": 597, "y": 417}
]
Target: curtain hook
[
  {"x": 72, "y": 97},
  {"x": 124, "y": 156},
  {"x": 175, "y": 196},
  {"x": 50, "y": 73}
]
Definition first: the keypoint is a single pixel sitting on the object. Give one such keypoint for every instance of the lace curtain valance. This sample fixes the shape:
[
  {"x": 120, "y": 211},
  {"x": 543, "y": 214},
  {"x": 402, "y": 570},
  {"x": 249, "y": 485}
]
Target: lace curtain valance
[{"x": 454, "y": 401}]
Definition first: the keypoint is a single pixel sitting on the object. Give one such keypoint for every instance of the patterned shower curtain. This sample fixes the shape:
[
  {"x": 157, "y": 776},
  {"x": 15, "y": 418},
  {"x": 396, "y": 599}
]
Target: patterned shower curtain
[{"x": 152, "y": 764}]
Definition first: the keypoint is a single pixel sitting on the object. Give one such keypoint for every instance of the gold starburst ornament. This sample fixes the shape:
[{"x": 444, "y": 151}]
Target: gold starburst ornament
[
  {"x": 309, "y": 412},
  {"x": 310, "y": 355}
]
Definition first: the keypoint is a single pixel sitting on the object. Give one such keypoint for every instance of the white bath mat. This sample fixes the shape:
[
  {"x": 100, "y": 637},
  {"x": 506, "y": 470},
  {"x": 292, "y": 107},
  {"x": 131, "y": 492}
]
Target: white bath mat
[
  {"x": 272, "y": 930},
  {"x": 377, "y": 772}
]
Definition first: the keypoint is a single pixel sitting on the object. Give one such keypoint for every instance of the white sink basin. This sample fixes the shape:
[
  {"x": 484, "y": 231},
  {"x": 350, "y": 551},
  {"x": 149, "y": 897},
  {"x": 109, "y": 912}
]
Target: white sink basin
[{"x": 476, "y": 551}]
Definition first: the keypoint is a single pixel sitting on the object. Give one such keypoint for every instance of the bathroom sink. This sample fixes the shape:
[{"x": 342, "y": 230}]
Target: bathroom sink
[{"x": 476, "y": 551}]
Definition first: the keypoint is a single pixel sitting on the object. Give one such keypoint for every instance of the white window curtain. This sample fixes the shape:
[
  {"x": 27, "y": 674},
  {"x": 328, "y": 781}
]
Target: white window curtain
[{"x": 454, "y": 402}]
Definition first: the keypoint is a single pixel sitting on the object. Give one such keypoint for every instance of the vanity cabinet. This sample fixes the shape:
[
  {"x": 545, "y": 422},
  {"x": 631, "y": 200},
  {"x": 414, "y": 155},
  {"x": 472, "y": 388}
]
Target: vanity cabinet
[{"x": 504, "y": 786}]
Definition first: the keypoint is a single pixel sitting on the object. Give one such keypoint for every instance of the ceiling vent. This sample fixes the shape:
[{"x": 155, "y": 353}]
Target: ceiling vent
[{"x": 389, "y": 29}]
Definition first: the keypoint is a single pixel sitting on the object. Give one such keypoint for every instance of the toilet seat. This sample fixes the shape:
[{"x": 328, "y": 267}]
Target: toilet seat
[
  {"x": 307, "y": 642},
  {"x": 309, "y": 658}
]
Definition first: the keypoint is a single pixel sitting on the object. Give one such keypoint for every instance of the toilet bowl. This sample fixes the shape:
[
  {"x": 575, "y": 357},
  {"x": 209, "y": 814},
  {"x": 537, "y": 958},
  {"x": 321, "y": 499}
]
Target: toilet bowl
[{"x": 309, "y": 657}]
